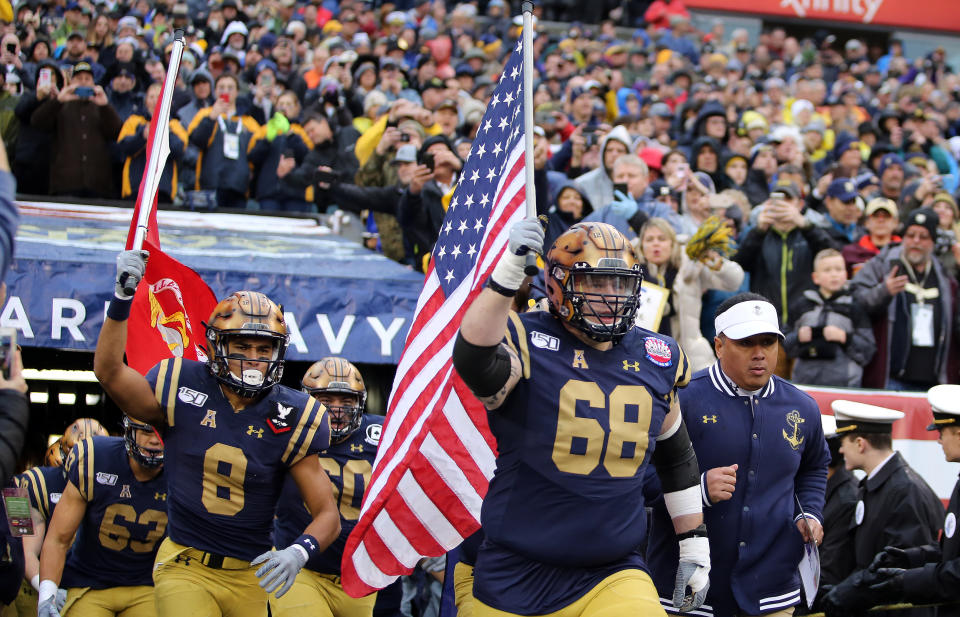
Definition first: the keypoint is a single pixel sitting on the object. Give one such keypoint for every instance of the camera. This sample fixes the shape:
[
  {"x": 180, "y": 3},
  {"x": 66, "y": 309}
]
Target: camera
[
  {"x": 945, "y": 241},
  {"x": 12, "y": 48},
  {"x": 404, "y": 137}
]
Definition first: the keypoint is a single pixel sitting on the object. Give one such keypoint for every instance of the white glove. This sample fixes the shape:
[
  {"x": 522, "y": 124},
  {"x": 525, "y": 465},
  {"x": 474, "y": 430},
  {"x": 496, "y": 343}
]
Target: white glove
[
  {"x": 525, "y": 236},
  {"x": 48, "y": 608},
  {"x": 693, "y": 572},
  {"x": 280, "y": 568},
  {"x": 131, "y": 266},
  {"x": 61, "y": 599}
]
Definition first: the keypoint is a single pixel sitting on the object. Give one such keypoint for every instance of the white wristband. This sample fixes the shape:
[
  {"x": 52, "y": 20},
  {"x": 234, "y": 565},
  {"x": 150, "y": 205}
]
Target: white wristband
[
  {"x": 48, "y": 589},
  {"x": 683, "y": 502},
  {"x": 508, "y": 273},
  {"x": 35, "y": 582}
]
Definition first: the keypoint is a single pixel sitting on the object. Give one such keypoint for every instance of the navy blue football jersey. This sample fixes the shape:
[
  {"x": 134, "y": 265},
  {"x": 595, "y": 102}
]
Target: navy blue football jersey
[
  {"x": 565, "y": 506},
  {"x": 125, "y": 519},
  {"x": 229, "y": 466},
  {"x": 44, "y": 486},
  {"x": 349, "y": 465}
]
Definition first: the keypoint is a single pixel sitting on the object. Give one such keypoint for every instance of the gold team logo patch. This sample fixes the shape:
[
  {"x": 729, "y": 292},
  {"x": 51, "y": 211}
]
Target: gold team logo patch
[
  {"x": 578, "y": 360},
  {"x": 125, "y": 492},
  {"x": 794, "y": 438}
]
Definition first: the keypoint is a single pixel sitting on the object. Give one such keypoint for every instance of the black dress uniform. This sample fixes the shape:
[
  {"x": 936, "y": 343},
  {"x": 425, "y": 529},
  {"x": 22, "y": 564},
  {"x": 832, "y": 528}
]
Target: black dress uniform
[
  {"x": 836, "y": 550},
  {"x": 895, "y": 507},
  {"x": 898, "y": 509},
  {"x": 933, "y": 570}
]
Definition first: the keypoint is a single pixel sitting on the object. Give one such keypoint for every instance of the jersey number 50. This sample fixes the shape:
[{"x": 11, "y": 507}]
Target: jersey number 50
[
  {"x": 350, "y": 493},
  {"x": 582, "y": 441}
]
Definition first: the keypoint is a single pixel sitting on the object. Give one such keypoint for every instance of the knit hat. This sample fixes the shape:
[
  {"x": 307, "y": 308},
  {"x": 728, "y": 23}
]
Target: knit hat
[{"x": 924, "y": 217}]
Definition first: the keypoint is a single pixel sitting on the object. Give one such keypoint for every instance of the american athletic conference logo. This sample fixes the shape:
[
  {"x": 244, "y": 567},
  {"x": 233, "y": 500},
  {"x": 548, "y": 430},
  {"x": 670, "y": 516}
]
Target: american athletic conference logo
[{"x": 169, "y": 316}]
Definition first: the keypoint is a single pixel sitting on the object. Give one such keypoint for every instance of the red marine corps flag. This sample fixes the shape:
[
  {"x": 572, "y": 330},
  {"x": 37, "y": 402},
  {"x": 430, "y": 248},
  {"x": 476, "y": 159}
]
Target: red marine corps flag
[
  {"x": 165, "y": 318},
  {"x": 436, "y": 452}
]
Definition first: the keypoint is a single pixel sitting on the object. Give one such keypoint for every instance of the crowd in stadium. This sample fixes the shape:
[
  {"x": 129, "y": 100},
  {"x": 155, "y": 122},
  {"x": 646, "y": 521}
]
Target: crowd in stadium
[{"x": 820, "y": 174}]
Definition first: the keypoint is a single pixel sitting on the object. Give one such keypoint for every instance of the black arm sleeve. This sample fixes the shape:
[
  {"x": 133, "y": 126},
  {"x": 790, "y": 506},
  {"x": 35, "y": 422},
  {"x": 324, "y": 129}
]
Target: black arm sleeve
[
  {"x": 676, "y": 462},
  {"x": 485, "y": 370},
  {"x": 14, "y": 413}
]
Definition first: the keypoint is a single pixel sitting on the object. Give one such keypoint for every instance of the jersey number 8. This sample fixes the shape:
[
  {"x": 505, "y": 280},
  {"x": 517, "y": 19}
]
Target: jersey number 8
[
  {"x": 224, "y": 470},
  {"x": 580, "y": 441}
]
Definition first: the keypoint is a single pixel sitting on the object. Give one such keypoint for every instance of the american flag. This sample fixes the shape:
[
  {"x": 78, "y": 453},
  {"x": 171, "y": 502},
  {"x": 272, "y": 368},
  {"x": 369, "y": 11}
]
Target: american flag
[{"x": 436, "y": 453}]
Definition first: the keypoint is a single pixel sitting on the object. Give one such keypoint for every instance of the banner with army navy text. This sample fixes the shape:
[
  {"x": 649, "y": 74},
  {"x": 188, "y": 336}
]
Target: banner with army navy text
[{"x": 339, "y": 298}]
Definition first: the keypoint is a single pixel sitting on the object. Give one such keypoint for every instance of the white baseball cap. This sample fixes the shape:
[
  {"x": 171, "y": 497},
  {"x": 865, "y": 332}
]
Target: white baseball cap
[{"x": 748, "y": 318}]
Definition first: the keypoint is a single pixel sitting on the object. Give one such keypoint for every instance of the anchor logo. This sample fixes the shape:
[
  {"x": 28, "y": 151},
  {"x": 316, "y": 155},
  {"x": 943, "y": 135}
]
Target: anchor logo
[{"x": 794, "y": 421}]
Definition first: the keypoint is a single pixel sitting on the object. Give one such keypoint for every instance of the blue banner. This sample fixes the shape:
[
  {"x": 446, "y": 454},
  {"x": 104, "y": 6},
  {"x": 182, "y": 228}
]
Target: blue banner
[{"x": 339, "y": 298}]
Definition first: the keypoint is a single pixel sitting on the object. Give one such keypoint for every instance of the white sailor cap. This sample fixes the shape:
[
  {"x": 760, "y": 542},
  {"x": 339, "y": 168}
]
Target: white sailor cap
[
  {"x": 853, "y": 417},
  {"x": 829, "y": 425},
  {"x": 747, "y": 319},
  {"x": 945, "y": 404}
]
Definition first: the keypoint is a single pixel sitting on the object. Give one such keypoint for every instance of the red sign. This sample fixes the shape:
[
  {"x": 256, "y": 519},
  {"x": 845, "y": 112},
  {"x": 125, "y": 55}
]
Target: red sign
[{"x": 928, "y": 14}]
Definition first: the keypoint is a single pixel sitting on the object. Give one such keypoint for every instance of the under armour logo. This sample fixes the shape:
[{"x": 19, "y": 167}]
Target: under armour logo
[
  {"x": 356, "y": 447},
  {"x": 712, "y": 418},
  {"x": 627, "y": 365},
  {"x": 255, "y": 431},
  {"x": 160, "y": 496},
  {"x": 185, "y": 560}
]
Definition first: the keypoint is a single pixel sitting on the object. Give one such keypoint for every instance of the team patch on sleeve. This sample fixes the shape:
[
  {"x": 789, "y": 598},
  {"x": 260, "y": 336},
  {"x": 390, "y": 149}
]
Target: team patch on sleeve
[
  {"x": 658, "y": 351},
  {"x": 311, "y": 435}
]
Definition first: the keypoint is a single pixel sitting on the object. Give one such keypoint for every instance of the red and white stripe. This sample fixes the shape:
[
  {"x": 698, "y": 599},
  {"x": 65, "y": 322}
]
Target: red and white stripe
[{"x": 436, "y": 453}]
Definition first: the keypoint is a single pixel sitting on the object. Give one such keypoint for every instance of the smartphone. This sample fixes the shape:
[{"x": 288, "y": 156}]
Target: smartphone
[
  {"x": 404, "y": 137},
  {"x": 12, "y": 48},
  {"x": 225, "y": 98},
  {"x": 622, "y": 187},
  {"x": 777, "y": 196},
  {"x": 8, "y": 345},
  {"x": 682, "y": 170},
  {"x": 289, "y": 153},
  {"x": 45, "y": 78},
  {"x": 84, "y": 92},
  {"x": 428, "y": 160}
]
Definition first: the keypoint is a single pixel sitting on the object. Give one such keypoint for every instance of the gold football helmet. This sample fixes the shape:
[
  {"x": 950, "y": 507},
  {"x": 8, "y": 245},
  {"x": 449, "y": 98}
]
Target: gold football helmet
[
  {"x": 337, "y": 375},
  {"x": 81, "y": 429},
  {"x": 593, "y": 280},
  {"x": 53, "y": 456},
  {"x": 246, "y": 314}
]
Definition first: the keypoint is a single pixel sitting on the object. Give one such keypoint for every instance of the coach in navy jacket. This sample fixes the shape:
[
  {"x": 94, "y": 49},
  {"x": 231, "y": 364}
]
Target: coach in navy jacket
[{"x": 760, "y": 445}]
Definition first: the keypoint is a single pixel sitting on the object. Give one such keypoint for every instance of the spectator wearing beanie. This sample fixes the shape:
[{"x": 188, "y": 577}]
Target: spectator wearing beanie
[{"x": 84, "y": 130}]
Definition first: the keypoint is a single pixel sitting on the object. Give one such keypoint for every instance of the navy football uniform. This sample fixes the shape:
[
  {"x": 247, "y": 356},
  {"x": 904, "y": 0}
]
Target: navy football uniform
[
  {"x": 349, "y": 465},
  {"x": 565, "y": 507},
  {"x": 44, "y": 486},
  {"x": 229, "y": 465},
  {"x": 124, "y": 522}
]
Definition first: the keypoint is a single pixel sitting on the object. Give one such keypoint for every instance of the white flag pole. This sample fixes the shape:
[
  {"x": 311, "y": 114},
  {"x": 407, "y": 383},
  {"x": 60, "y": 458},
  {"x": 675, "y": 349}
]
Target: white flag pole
[{"x": 530, "y": 268}]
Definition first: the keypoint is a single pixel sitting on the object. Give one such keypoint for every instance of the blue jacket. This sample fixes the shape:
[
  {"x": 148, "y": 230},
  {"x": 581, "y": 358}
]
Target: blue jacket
[{"x": 776, "y": 440}]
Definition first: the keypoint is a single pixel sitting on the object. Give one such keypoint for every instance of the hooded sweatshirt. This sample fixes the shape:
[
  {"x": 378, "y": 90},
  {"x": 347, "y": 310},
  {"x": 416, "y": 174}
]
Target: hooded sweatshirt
[{"x": 597, "y": 183}]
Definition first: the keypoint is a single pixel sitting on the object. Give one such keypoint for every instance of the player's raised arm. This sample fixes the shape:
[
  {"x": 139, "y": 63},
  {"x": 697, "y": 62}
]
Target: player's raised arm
[
  {"x": 489, "y": 368},
  {"x": 129, "y": 389}
]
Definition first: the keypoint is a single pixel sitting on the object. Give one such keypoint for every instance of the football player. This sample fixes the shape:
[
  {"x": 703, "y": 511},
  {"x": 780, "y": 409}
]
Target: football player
[
  {"x": 45, "y": 486},
  {"x": 231, "y": 434},
  {"x": 348, "y": 461},
  {"x": 580, "y": 401},
  {"x": 115, "y": 503}
]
